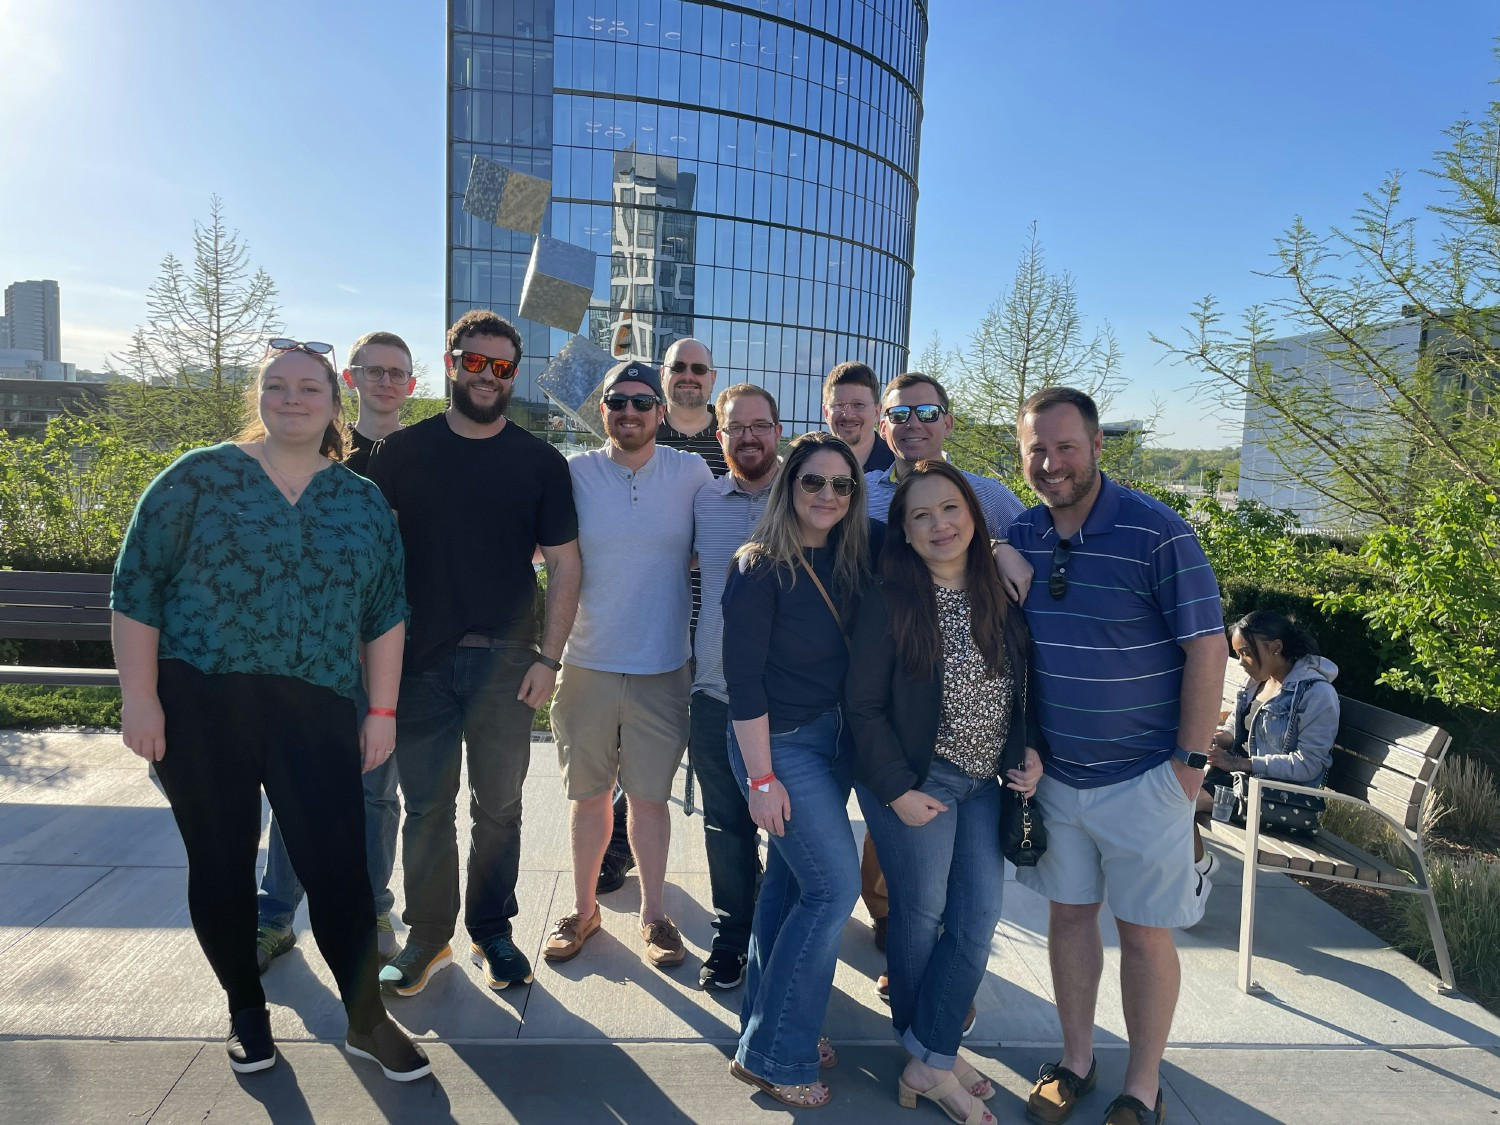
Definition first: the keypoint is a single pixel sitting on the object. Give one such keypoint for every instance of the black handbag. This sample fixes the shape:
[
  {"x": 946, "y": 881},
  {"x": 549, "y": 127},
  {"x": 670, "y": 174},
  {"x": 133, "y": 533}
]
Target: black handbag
[
  {"x": 1280, "y": 811},
  {"x": 1023, "y": 836}
]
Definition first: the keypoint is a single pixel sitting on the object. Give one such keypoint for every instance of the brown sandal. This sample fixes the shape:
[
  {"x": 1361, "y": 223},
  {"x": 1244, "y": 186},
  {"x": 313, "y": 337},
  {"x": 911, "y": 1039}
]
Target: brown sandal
[
  {"x": 798, "y": 1096},
  {"x": 828, "y": 1058}
]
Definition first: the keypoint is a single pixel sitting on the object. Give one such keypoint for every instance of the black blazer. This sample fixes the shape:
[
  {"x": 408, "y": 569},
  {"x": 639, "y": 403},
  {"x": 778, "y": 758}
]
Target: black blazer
[{"x": 894, "y": 717}]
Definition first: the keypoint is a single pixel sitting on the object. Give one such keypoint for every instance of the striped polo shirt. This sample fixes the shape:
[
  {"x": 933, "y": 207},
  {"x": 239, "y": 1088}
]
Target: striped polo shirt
[
  {"x": 1108, "y": 652},
  {"x": 724, "y": 515},
  {"x": 998, "y": 503}
]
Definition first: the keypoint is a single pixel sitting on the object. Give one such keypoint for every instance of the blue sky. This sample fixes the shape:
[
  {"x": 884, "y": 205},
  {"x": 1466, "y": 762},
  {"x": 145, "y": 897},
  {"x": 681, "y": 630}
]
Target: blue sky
[{"x": 1159, "y": 146}]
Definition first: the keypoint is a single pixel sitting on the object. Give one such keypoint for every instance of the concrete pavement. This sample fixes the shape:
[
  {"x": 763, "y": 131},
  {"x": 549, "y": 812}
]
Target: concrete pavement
[{"x": 108, "y": 1011}]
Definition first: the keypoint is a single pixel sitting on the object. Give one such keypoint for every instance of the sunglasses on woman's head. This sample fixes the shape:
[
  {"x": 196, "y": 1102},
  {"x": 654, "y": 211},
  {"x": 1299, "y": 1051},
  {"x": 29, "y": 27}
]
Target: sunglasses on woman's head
[
  {"x": 474, "y": 363},
  {"x": 642, "y": 403},
  {"x": 311, "y": 347},
  {"x": 813, "y": 483}
]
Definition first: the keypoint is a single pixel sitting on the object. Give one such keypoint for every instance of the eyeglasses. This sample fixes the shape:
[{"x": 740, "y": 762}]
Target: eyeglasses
[
  {"x": 1057, "y": 580},
  {"x": 759, "y": 429},
  {"x": 678, "y": 367},
  {"x": 474, "y": 363},
  {"x": 641, "y": 403},
  {"x": 927, "y": 412},
  {"x": 813, "y": 483},
  {"x": 311, "y": 347},
  {"x": 376, "y": 375},
  {"x": 851, "y": 407}
]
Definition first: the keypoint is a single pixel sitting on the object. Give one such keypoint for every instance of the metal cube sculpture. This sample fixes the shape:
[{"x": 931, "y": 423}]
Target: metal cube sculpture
[
  {"x": 505, "y": 197},
  {"x": 572, "y": 381},
  {"x": 559, "y": 283}
]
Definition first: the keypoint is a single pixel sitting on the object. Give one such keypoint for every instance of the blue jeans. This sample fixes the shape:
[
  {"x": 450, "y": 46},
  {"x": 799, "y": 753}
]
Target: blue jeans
[
  {"x": 466, "y": 698},
  {"x": 946, "y": 880},
  {"x": 810, "y": 886},
  {"x": 730, "y": 837}
]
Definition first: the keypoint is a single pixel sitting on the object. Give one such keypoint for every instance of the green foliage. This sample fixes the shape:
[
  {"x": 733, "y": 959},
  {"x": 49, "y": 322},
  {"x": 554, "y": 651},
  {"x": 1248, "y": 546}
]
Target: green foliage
[
  {"x": 1440, "y": 595},
  {"x": 65, "y": 501},
  {"x": 1190, "y": 466},
  {"x": 43, "y": 707},
  {"x": 1467, "y": 889},
  {"x": 1471, "y": 801}
]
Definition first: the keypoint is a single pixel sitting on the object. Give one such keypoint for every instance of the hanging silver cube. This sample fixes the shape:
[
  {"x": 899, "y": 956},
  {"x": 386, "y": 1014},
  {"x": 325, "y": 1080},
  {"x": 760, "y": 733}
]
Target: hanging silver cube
[{"x": 559, "y": 283}]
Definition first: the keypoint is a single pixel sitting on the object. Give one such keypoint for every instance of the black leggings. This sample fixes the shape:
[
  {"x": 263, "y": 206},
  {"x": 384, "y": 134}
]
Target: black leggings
[{"x": 227, "y": 736}]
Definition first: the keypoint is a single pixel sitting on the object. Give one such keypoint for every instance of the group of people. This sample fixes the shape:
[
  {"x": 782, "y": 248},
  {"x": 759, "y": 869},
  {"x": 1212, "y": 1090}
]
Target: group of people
[{"x": 871, "y": 618}]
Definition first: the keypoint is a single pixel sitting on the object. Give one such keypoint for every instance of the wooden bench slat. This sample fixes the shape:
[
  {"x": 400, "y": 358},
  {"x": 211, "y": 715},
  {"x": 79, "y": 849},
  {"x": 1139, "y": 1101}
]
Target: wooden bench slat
[
  {"x": 55, "y": 632},
  {"x": 36, "y": 614},
  {"x": 11, "y": 580},
  {"x": 67, "y": 677},
  {"x": 1374, "y": 724}
]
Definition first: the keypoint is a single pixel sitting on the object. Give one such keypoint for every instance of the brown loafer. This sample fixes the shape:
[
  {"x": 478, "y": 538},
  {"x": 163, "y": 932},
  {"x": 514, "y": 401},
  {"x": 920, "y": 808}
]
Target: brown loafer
[
  {"x": 566, "y": 939},
  {"x": 1057, "y": 1092},
  {"x": 663, "y": 943}
]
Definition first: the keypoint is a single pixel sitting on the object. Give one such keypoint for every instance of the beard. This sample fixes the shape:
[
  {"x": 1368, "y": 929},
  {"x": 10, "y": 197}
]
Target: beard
[
  {"x": 484, "y": 415},
  {"x": 751, "y": 472},
  {"x": 630, "y": 440},
  {"x": 1082, "y": 484},
  {"x": 689, "y": 398}
]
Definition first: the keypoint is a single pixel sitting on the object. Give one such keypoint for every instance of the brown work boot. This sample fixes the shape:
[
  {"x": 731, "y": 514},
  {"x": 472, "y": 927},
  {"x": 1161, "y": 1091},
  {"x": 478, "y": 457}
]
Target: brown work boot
[
  {"x": 1126, "y": 1110},
  {"x": 566, "y": 939},
  {"x": 1057, "y": 1091},
  {"x": 664, "y": 946}
]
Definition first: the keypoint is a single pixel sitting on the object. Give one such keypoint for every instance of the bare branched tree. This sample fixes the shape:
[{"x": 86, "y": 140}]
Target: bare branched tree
[{"x": 206, "y": 327}]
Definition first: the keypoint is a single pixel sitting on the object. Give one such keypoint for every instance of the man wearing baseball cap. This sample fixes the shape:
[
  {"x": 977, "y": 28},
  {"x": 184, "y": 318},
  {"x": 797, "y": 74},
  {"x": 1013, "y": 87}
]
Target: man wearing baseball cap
[{"x": 621, "y": 710}]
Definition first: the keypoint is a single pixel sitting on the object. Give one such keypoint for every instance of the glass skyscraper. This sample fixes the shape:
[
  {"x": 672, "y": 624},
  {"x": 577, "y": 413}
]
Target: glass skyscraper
[{"x": 745, "y": 172}]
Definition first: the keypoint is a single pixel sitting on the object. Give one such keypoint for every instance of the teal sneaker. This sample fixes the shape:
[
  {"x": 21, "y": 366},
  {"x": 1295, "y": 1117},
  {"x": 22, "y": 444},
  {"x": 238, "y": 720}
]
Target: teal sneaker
[
  {"x": 504, "y": 964},
  {"x": 412, "y": 968},
  {"x": 271, "y": 943}
]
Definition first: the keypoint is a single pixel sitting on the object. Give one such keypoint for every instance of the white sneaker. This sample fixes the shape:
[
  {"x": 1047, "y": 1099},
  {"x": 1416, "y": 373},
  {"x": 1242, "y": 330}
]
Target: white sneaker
[
  {"x": 1207, "y": 865},
  {"x": 1201, "y": 893}
]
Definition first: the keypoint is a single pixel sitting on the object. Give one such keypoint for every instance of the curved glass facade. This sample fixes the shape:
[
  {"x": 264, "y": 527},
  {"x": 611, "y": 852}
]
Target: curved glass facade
[{"x": 746, "y": 173}]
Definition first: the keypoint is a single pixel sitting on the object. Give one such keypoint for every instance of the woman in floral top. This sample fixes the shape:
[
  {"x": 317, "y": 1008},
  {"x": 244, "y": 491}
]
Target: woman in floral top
[
  {"x": 936, "y": 700},
  {"x": 253, "y": 576}
]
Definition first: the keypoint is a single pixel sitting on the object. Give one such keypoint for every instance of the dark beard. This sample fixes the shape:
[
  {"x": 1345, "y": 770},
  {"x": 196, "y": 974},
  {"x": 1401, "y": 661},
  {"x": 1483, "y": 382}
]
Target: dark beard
[
  {"x": 736, "y": 466},
  {"x": 483, "y": 415}
]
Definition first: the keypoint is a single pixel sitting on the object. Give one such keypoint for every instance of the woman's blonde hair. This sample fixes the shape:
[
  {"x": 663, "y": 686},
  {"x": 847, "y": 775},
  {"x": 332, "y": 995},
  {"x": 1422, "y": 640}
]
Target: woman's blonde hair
[
  {"x": 777, "y": 538},
  {"x": 335, "y": 438}
]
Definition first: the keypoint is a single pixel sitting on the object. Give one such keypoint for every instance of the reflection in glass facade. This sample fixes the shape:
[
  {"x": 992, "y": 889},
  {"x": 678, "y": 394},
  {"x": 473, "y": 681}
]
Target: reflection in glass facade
[{"x": 745, "y": 172}]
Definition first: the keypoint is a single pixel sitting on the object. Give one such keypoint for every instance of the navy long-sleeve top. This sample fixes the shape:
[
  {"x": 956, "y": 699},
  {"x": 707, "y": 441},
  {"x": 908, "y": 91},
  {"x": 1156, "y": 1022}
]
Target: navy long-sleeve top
[{"x": 784, "y": 654}]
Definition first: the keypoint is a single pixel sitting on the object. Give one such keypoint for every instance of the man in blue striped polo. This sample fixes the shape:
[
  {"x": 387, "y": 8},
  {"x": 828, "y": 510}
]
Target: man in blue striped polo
[{"x": 1130, "y": 657}]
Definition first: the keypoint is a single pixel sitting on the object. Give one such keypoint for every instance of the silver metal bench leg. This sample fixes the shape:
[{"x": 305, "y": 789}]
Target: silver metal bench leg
[
  {"x": 1447, "y": 983},
  {"x": 1247, "y": 891}
]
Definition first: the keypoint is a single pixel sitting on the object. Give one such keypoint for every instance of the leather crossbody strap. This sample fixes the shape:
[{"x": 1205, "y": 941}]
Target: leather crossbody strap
[{"x": 837, "y": 620}]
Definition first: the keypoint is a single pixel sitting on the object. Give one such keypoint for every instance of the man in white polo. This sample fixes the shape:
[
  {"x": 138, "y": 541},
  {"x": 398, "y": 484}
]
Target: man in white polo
[{"x": 621, "y": 710}]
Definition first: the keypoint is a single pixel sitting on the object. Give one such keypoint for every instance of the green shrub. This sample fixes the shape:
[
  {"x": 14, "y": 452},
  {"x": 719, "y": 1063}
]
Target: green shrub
[
  {"x": 1468, "y": 898},
  {"x": 1470, "y": 799},
  {"x": 43, "y": 706}
]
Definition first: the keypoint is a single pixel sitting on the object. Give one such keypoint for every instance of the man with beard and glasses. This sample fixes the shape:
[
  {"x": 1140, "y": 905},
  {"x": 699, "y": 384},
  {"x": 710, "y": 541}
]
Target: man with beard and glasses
[
  {"x": 689, "y": 422},
  {"x": 725, "y": 512},
  {"x": 850, "y": 394},
  {"x": 1130, "y": 652},
  {"x": 476, "y": 497},
  {"x": 621, "y": 712}
]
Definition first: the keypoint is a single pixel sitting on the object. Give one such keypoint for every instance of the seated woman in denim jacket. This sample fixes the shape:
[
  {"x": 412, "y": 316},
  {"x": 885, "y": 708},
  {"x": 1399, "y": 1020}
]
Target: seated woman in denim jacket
[{"x": 1285, "y": 719}]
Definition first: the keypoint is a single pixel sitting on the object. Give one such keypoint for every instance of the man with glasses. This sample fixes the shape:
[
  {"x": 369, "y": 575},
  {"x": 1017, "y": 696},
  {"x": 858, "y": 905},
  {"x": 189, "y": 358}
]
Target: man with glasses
[
  {"x": 689, "y": 421},
  {"x": 1129, "y": 666},
  {"x": 380, "y": 373},
  {"x": 724, "y": 514},
  {"x": 621, "y": 712},
  {"x": 475, "y": 498},
  {"x": 850, "y": 394}
]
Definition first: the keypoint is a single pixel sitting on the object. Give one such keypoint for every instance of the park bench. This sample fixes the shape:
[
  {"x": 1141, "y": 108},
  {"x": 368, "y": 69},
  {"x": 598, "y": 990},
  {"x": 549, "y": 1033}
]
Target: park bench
[
  {"x": 1381, "y": 761},
  {"x": 54, "y": 606}
]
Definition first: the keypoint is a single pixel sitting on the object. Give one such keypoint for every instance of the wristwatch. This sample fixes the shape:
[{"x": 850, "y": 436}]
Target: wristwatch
[
  {"x": 548, "y": 662},
  {"x": 1193, "y": 759}
]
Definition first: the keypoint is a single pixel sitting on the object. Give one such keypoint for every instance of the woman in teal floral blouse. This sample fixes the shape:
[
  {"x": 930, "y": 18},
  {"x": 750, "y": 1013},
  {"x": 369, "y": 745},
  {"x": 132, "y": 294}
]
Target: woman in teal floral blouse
[{"x": 253, "y": 577}]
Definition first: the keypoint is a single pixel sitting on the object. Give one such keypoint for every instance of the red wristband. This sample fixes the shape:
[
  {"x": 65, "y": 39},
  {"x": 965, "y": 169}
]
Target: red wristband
[
  {"x": 382, "y": 712},
  {"x": 762, "y": 784}
]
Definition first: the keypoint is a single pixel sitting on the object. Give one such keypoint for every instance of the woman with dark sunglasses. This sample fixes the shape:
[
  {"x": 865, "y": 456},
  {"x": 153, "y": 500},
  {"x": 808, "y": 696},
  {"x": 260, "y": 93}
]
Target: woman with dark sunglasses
[
  {"x": 252, "y": 578},
  {"x": 787, "y": 604},
  {"x": 938, "y": 705}
]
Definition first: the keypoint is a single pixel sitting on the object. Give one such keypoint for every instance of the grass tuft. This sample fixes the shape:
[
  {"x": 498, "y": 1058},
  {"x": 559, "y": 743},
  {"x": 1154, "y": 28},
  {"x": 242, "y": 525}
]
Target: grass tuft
[
  {"x": 1471, "y": 801},
  {"x": 1468, "y": 898}
]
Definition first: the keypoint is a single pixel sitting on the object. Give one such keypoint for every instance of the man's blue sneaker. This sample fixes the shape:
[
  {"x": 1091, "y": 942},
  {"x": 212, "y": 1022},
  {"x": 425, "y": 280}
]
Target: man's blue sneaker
[
  {"x": 504, "y": 964},
  {"x": 411, "y": 969}
]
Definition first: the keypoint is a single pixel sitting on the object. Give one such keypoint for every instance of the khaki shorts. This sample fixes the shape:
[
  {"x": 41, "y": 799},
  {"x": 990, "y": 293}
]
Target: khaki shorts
[
  {"x": 612, "y": 725},
  {"x": 1130, "y": 843}
]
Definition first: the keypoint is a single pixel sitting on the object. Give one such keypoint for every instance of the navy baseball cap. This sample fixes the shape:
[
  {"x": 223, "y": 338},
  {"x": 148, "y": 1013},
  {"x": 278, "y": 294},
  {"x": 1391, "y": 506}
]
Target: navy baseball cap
[{"x": 633, "y": 371}]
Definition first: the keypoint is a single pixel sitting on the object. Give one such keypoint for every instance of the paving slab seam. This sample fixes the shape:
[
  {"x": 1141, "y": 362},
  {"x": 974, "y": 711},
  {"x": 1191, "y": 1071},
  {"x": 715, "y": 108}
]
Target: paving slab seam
[{"x": 175, "y": 1083}]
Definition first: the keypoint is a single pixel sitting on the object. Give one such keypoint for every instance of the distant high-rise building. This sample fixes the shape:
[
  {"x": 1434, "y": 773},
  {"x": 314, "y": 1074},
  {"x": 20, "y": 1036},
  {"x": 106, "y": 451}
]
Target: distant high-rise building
[
  {"x": 746, "y": 177},
  {"x": 31, "y": 308},
  {"x": 4, "y": 333}
]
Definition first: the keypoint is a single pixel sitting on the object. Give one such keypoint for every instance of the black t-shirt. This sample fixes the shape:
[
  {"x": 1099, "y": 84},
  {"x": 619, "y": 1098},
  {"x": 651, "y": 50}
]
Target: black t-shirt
[
  {"x": 704, "y": 443},
  {"x": 472, "y": 511},
  {"x": 880, "y": 459},
  {"x": 359, "y": 452}
]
